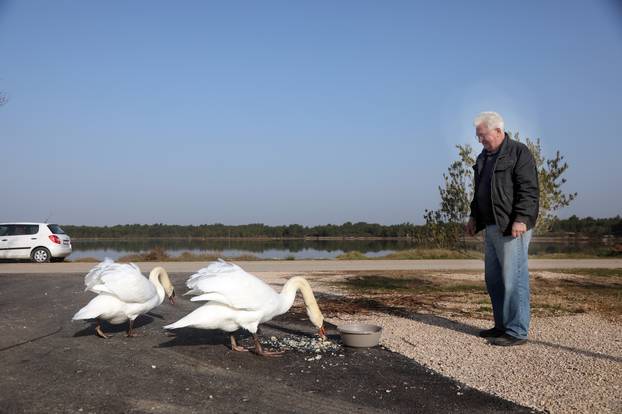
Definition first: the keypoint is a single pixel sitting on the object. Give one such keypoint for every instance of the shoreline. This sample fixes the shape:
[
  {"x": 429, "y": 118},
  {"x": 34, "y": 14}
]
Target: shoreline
[
  {"x": 322, "y": 265},
  {"x": 476, "y": 239}
]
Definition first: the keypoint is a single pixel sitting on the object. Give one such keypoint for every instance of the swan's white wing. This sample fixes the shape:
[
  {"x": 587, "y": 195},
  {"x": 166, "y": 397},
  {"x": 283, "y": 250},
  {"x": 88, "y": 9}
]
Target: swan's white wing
[
  {"x": 213, "y": 269},
  {"x": 214, "y": 297},
  {"x": 92, "y": 278},
  {"x": 121, "y": 280},
  {"x": 229, "y": 284}
]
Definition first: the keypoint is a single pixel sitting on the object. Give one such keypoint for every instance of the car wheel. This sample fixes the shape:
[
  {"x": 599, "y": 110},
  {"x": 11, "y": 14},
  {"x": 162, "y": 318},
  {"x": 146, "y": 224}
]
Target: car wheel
[{"x": 40, "y": 255}]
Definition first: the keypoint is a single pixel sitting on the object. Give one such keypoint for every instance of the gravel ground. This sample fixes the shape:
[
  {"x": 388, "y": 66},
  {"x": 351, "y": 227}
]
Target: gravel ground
[{"x": 571, "y": 364}]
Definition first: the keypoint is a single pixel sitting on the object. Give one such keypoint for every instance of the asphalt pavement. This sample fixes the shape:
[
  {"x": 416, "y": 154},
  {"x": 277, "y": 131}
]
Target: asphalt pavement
[{"x": 49, "y": 364}]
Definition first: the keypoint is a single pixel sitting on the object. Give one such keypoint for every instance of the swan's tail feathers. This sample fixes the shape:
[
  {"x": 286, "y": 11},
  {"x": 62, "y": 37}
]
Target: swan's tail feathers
[
  {"x": 215, "y": 297},
  {"x": 208, "y": 316},
  {"x": 87, "y": 312},
  {"x": 98, "y": 306},
  {"x": 182, "y": 323},
  {"x": 175, "y": 325}
]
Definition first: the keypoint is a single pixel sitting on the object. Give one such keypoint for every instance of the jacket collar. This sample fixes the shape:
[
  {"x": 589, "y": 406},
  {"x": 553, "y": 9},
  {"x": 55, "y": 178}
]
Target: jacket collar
[{"x": 503, "y": 150}]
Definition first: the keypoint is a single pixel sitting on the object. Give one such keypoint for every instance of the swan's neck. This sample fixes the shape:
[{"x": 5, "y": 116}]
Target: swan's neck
[
  {"x": 288, "y": 295},
  {"x": 159, "y": 278}
]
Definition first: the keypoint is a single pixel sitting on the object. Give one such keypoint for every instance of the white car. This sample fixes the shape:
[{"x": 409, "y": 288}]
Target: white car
[{"x": 40, "y": 242}]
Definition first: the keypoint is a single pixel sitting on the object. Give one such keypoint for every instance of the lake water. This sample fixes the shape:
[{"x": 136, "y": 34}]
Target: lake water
[{"x": 279, "y": 249}]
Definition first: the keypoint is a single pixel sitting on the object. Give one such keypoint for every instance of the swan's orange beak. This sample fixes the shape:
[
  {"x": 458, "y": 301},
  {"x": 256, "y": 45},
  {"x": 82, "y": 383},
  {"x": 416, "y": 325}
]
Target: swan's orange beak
[
  {"x": 172, "y": 298},
  {"x": 322, "y": 332}
]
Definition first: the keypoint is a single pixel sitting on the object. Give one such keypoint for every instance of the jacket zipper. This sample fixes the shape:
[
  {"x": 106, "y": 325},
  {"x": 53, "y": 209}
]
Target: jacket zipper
[{"x": 492, "y": 182}]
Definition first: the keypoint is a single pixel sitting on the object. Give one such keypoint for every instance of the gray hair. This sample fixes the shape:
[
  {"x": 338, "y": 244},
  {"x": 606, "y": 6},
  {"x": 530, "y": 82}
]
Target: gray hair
[{"x": 492, "y": 120}]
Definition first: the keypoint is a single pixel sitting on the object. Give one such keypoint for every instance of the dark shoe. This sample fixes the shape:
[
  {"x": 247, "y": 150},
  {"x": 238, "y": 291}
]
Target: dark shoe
[
  {"x": 491, "y": 333},
  {"x": 507, "y": 340}
]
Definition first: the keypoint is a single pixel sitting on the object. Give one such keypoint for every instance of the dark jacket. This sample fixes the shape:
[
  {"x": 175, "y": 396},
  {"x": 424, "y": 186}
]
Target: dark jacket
[{"x": 514, "y": 187}]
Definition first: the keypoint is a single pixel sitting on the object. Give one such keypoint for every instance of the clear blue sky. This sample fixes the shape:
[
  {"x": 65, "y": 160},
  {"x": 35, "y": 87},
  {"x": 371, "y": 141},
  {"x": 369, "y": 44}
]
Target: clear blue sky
[{"x": 293, "y": 112}]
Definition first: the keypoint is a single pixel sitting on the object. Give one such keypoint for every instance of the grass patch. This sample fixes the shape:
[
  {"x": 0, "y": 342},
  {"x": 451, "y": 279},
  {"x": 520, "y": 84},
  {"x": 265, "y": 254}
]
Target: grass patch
[
  {"x": 415, "y": 254},
  {"x": 589, "y": 253},
  {"x": 447, "y": 294},
  {"x": 192, "y": 257},
  {"x": 157, "y": 254},
  {"x": 375, "y": 283},
  {"x": 160, "y": 255},
  {"x": 413, "y": 284},
  {"x": 431, "y": 254},
  {"x": 616, "y": 272},
  {"x": 353, "y": 255},
  {"x": 243, "y": 257},
  {"x": 571, "y": 296}
]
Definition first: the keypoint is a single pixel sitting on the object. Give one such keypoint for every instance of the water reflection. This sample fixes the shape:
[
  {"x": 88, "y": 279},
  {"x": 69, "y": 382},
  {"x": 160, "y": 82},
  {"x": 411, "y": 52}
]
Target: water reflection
[{"x": 283, "y": 249}]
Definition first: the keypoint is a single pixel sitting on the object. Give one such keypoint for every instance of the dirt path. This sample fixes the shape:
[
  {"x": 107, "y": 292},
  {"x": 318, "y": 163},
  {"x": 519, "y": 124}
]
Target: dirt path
[{"x": 317, "y": 265}]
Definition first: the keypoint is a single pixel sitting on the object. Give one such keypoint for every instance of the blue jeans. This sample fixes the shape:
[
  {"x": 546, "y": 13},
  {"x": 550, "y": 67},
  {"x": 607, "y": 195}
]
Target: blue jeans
[{"x": 507, "y": 280}]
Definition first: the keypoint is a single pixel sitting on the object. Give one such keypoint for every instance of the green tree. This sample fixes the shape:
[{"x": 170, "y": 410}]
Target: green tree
[
  {"x": 550, "y": 172},
  {"x": 444, "y": 226}
]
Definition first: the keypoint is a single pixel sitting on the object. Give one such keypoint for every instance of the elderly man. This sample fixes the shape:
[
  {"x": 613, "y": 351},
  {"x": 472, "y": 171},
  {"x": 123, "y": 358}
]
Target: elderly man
[{"x": 505, "y": 204}]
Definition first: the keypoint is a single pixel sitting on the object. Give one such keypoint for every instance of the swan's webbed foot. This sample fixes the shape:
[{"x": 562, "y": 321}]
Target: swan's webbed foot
[
  {"x": 99, "y": 332},
  {"x": 272, "y": 354},
  {"x": 130, "y": 333},
  {"x": 235, "y": 346},
  {"x": 260, "y": 351}
]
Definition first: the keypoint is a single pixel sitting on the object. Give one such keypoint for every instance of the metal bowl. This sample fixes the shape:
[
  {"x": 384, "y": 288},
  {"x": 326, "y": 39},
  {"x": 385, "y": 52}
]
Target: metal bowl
[{"x": 360, "y": 335}]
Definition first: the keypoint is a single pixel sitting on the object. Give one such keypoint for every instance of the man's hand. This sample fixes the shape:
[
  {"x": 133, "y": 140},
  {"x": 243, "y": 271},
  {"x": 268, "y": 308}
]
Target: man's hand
[
  {"x": 518, "y": 229},
  {"x": 469, "y": 228}
]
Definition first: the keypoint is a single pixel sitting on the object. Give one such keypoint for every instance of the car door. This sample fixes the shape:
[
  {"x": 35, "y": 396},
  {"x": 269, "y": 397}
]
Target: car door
[
  {"x": 30, "y": 240},
  {"x": 19, "y": 244},
  {"x": 11, "y": 240},
  {"x": 4, "y": 240}
]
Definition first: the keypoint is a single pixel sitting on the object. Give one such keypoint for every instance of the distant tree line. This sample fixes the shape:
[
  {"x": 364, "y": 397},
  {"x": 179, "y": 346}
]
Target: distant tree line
[
  {"x": 348, "y": 229},
  {"x": 420, "y": 233},
  {"x": 589, "y": 226}
]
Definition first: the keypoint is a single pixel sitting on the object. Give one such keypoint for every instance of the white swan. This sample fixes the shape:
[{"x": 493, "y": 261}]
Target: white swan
[
  {"x": 237, "y": 299},
  {"x": 123, "y": 293}
]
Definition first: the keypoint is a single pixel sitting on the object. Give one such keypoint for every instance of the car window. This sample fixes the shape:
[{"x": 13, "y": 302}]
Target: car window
[
  {"x": 15, "y": 230},
  {"x": 4, "y": 230},
  {"x": 22, "y": 229},
  {"x": 55, "y": 229}
]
